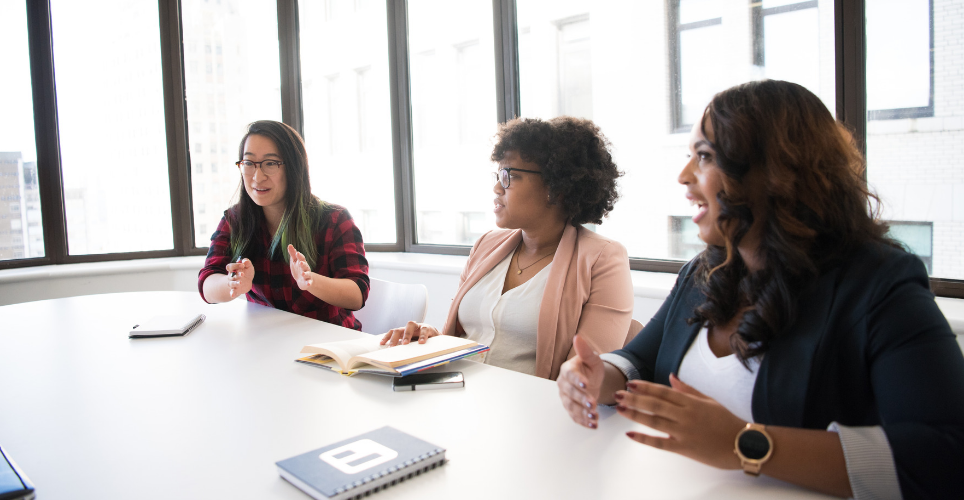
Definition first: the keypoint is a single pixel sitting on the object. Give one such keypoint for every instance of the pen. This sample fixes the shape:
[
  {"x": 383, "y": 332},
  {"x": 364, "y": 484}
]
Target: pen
[{"x": 234, "y": 274}]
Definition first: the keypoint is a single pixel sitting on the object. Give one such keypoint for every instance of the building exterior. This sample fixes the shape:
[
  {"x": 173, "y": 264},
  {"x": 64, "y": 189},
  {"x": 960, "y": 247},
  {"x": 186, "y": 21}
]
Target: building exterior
[{"x": 21, "y": 231}]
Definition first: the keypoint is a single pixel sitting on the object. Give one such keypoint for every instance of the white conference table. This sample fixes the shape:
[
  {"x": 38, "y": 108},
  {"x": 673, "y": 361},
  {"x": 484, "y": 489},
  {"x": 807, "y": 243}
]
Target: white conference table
[{"x": 88, "y": 413}]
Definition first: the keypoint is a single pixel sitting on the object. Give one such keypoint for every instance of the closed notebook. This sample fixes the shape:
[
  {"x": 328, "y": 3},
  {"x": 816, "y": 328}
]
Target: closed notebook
[
  {"x": 166, "y": 326},
  {"x": 361, "y": 465}
]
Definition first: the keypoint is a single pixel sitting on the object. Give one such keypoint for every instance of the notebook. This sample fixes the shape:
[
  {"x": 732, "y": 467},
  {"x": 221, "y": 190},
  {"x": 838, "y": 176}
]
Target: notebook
[
  {"x": 361, "y": 465},
  {"x": 166, "y": 326}
]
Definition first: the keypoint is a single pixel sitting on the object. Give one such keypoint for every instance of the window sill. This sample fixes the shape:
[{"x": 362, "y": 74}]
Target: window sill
[{"x": 649, "y": 285}]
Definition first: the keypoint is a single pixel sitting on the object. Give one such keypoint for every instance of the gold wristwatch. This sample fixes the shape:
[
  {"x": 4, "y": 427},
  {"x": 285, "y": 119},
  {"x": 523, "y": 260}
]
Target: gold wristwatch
[{"x": 754, "y": 446}]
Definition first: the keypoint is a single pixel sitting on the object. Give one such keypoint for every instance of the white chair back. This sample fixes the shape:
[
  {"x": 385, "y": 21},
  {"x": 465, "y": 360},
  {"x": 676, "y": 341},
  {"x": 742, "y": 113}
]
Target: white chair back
[{"x": 391, "y": 305}]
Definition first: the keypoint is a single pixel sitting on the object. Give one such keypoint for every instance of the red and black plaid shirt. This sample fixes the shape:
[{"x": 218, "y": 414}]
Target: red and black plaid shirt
[{"x": 341, "y": 254}]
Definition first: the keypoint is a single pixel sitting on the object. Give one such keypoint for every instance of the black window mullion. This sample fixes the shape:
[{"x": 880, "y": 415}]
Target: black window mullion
[
  {"x": 175, "y": 118},
  {"x": 289, "y": 46},
  {"x": 851, "y": 64},
  {"x": 506, "y": 37},
  {"x": 399, "y": 84},
  {"x": 46, "y": 133}
]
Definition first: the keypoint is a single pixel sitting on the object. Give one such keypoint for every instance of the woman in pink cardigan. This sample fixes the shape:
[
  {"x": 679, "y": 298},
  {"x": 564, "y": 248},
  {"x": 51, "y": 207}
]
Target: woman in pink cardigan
[{"x": 529, "y": 288}]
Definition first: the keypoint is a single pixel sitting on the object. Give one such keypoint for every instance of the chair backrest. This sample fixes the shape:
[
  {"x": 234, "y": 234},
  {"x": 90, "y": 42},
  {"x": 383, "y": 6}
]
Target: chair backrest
[
  {"x": 391, "y": 305},
  {"x": 634, "y": 328}
]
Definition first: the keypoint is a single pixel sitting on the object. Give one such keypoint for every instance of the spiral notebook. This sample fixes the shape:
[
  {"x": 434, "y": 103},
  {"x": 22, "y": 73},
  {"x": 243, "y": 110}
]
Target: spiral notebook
[
  {"x": 361, "y": 465},
  {"x": 167, "y": 326}
]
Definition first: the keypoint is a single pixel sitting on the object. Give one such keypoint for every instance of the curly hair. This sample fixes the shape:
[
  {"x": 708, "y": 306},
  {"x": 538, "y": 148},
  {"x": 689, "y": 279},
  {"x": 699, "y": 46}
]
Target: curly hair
[
  {"x": 816, "y": 203},
  {"x": 575, "y": 159}
]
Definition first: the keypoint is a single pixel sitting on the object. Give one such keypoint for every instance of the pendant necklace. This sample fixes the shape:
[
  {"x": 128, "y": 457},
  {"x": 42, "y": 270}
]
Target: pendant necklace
[{"x": 520, "y": 268}]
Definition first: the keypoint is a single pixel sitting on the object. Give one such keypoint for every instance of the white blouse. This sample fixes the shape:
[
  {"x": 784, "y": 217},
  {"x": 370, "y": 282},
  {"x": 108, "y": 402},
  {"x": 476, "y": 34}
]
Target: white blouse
[
  {"x": 724, "y": 379},
  {"x": 505, "y": 322}
]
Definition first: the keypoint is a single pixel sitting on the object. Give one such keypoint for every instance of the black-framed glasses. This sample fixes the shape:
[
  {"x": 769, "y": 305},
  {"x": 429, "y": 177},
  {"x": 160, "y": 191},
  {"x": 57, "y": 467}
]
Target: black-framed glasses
[
  {"x": 503, "y": 175},
  {"x": 268, "y": 167}
]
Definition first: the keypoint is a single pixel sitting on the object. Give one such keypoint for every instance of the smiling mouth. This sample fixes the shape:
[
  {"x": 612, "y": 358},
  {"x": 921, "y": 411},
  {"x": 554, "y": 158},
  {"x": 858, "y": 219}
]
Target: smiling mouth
[
  {"x": 262, "y": 191},
  {"x": 702, "y": 208},
  {"x": 498, "y": 205}
]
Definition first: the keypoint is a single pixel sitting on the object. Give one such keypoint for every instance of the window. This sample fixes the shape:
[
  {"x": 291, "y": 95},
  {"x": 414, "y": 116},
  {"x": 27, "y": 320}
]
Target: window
[
  {"x": 248, "y": 76},
  {"x": 917, "y": 238},
  {"x": 915, "y": 126},
  {"x": 110, "y": 107},
  {"x": 786, "y": 44},
  {"x": 685, "y": 242},
  {"x": 347, "y": 112},
  {"x": 21, "y": 230},
  {"x": 453, "y": 115},
  {"x": 900, "y": 69}
]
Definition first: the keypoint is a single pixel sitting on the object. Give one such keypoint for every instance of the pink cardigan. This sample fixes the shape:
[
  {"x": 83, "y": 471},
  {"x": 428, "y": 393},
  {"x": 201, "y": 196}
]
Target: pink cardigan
[{"x": 589, "y": 292}]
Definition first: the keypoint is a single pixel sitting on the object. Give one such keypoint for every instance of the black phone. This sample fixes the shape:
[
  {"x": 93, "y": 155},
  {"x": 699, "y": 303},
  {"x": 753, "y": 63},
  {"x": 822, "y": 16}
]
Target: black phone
[{"x": 428, "y": 381}]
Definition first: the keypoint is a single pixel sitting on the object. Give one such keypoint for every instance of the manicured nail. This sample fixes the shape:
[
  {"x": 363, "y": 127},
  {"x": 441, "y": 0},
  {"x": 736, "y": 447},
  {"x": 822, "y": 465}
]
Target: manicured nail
[
  {"x": 631, "y": 385},
  {"x": 592, "y": 425},
  {"x": 582, "y": 385},
  {"x": 620, "y": 407},
  {"x": 631, "y": 435},
  {"x": 591, "y": 416},
  {"x": 619, "y": 396}
]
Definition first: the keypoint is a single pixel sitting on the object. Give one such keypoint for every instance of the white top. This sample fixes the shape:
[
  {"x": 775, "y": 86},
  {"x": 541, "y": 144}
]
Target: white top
[
  {"x": 505, "y": 322},
  {"x": 724, "y": 379}
]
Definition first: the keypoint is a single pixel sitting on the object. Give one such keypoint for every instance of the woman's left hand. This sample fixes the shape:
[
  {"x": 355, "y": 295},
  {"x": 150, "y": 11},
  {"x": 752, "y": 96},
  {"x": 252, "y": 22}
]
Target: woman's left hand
[
  {"x": 300, "y": 270},
  {"x": 698, "y": 426}
]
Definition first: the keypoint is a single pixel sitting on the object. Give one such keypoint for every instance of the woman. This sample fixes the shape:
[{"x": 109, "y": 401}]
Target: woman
[
  {"x": 800, "y": 315},
  {"x": 325, "y": 276},
  {"x": 527, "y": 289}
]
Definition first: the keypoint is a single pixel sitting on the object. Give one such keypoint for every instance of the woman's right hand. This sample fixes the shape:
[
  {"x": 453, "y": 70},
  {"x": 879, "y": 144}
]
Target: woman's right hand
[
  {"x": 405, "y": 334},
  {"x": 580, "y": 381},
  {"x": 241, "y": 283}
]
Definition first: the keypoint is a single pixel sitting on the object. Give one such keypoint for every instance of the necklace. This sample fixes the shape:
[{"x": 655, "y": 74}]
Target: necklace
[{"x": 520, "y": 268}]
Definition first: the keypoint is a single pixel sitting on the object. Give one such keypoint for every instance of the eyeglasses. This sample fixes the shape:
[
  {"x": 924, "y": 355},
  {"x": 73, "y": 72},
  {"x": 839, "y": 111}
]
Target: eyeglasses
[
  {"x": 502, "y": 176},
  {"x": 268, "y": 167}
]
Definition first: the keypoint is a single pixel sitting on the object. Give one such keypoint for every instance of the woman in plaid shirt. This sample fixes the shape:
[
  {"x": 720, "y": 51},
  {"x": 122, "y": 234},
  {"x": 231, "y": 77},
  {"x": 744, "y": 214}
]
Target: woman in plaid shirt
[{"x": 280, "y": 245}]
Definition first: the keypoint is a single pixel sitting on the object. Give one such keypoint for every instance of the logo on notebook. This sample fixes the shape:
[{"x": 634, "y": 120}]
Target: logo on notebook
[{"x": 363, "y": 454}]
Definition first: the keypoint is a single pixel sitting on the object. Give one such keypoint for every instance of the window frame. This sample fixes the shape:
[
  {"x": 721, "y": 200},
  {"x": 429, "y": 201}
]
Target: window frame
[{"x": 850, "y": 108}]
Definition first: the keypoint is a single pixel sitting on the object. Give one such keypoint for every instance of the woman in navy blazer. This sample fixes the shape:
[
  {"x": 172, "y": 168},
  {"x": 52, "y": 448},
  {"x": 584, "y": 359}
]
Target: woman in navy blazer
[{"x": 853, "y": 371}]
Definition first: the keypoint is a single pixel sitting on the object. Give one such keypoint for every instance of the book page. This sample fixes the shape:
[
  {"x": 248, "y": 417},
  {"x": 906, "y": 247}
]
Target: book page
[
  {"x": 344, "y": 350},
  {"x": 410, "y": 353}
]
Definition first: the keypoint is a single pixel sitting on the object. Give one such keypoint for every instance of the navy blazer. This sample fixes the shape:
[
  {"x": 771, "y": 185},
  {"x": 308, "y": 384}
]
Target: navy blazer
[{"x": 869, "y": 347}]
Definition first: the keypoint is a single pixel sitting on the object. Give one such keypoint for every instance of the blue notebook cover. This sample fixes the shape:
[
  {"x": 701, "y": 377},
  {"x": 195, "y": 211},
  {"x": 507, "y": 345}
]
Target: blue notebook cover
[{"x": 362, "y": 464}]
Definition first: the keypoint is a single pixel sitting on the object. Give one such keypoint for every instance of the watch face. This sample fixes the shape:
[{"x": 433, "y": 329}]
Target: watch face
[{"x": 754, "y": 445}]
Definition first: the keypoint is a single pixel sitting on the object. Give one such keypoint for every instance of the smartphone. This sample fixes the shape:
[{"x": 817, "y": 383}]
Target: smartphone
[{"x": 428, "y": 381}]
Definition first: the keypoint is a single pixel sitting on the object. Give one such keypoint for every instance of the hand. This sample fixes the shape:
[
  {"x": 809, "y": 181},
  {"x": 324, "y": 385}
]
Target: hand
[
  {"x": 244, "y": 274},
  {"x": 300, "y": 270},
  {"x": 698, "y": 426},
  {"x": 405, "y": 334},
  {"x": 580, "y": 380}
]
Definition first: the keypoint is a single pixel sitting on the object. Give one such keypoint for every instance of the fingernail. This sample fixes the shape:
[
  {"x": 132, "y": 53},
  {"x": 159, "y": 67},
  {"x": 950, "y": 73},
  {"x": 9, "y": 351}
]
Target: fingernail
[
  {"x": 592, "y": 425},
  {"x": 582, "y": 385},
  {"x": 620, "y": 407},
  {"x": 631, "y": 435},
  {"x": 587, "y": 403},
  {"x": 619, "y": 396},
  {"x": 631, "y": 385},
  {"x": 591, "y": 416}
]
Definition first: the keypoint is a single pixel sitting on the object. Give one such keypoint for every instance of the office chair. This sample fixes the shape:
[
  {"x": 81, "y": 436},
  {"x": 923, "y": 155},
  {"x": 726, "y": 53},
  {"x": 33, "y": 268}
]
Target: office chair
[
  {"x": 634, "y": 328},
  {"x": 391, "y": 305}
]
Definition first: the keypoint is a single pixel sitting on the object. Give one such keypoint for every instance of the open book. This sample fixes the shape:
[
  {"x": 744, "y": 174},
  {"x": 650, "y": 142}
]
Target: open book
[{"x": 366, "y": 355}]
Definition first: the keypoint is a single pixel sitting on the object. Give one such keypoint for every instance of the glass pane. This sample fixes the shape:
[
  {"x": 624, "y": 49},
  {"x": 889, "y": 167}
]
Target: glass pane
[
  {"x": 21, "y": 229},
  {"x": 646, "y": 106},
  {"x": 110, "y": 107},
  {"x": 453, "y": 118},
  {"x": 232, "y": 77},
  {"x": 915, "y": 126},
  {"x": 898, "y": 67},
  {"x": 347, "y": 106}
]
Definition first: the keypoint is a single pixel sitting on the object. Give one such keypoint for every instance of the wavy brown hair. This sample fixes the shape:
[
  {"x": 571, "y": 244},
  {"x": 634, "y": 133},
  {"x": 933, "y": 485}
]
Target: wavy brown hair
[
  {"x": 808, "y": 174},
  {"x": 575, "y": 159}
]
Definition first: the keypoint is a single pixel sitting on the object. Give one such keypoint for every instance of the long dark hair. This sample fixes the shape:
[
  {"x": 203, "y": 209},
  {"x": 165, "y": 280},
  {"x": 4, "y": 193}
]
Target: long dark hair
[
  {"x": 816, "y": 203},
  {"x": 302, "y": 209}
]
